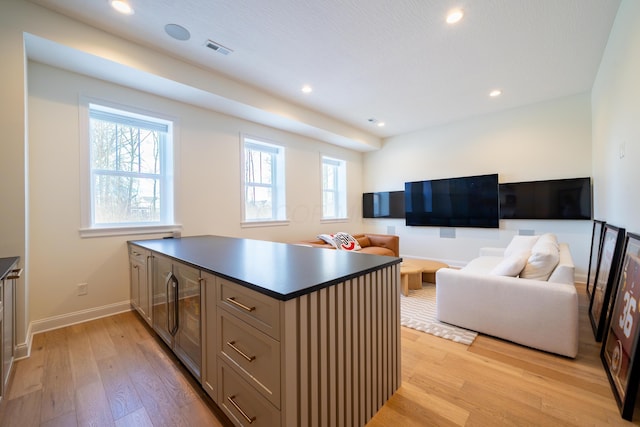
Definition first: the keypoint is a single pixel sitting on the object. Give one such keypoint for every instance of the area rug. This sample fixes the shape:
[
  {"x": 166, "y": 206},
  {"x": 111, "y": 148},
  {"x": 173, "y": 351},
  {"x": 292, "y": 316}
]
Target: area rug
[{"x": 418, "y": 311}]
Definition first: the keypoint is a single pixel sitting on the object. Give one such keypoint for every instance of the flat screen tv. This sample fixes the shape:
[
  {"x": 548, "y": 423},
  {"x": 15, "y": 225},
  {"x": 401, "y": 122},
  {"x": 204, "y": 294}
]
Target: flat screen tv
[
  {"x": 470, "y": 201},
  {"x": 552, "y": 199},
  {"x": 385, "y": 204}
]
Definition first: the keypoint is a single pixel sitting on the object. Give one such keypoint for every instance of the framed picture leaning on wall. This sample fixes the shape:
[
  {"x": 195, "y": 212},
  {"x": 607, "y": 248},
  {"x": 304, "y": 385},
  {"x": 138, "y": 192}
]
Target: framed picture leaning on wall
[
  {"x": 619, "y": 352},
  {"x": 605, "y": 280},
  {"x": 596, "y": 245}
]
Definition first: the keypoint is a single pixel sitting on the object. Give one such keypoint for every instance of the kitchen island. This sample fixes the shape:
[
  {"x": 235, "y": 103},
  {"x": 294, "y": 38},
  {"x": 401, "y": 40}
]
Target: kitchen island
[{"x": 290, "y": 335}]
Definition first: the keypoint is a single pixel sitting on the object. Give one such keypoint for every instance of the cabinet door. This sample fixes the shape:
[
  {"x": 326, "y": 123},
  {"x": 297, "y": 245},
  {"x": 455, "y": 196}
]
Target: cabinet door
[
  {"x": 139, "y": 266},
  {"x": 7, "y": 330},
  {"x": 1, "y": 340},
  {"x": 162, "y": 297},
  {"x": 144, "y": 296},
  {"x": 187, "y": 338},
  {"x": 209, "y": 332},
  {"x": 134, "y": 271}
]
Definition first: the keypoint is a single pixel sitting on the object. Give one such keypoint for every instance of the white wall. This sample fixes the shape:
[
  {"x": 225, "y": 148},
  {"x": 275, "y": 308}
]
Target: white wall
[
  {"x": 208, "y": 194},
  {"x": 616, "y": 123},
  {"x": 548, "y": 140}
]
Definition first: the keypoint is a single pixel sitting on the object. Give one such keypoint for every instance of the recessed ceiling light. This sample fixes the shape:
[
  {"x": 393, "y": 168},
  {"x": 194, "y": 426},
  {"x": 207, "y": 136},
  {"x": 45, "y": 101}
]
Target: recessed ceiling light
[
  {"x": 494, "y": 93},
  {"x": 307, "y": 89},
  {"x": 376, "y": 122},
  {"x": 178, "y": 32},
  {"x": 454, "y": 16},
  {"x": 122, "y": 6}
]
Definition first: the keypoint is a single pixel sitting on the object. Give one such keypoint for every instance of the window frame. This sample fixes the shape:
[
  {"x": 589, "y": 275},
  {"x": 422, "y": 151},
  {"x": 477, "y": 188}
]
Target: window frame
[
  {"x": 168, "y": 161},
  {"x": 277, "y": 186},
  {"x": 340, "y": 213}
]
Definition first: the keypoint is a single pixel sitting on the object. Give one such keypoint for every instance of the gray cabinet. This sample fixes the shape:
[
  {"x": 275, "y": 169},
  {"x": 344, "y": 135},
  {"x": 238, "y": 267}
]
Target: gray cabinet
[
  {"x": 139, "y": 269},
  {"x": 177, "y": 310},
  {"x": 7, "y": 320},
  {"x": 209, "y": 328},
  {"x": 328, "y": 355},
  {"x": 248, "y": 350}
]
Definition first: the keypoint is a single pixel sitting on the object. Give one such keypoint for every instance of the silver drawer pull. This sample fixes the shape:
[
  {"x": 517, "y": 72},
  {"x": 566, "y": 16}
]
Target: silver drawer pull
[
  {"x": 250, "y": 420},
  {"x": 240, "y": 352},
  {"x": 233, "y": 301},
  {"x": 15, "y": 274}
]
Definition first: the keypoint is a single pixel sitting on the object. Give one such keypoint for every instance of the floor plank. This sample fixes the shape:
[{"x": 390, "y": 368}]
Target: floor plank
[
  {"x": 122, "y": 395},
  {"x": 57, "y": 381},
  {"x": 27, "y": 376}
]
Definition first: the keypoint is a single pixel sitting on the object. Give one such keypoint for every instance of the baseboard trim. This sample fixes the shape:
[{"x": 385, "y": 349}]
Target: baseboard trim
[
  {"x": 55, "y": 322},
  {"x": 22, "y": 351}
]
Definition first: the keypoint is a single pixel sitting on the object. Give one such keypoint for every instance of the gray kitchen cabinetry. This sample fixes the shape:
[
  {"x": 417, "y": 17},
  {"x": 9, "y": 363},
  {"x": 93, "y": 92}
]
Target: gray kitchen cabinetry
[
  {"x": 177, "y": 310},
  {"x": 139, "y": 269},
  {"x": 8, "y": 277}
]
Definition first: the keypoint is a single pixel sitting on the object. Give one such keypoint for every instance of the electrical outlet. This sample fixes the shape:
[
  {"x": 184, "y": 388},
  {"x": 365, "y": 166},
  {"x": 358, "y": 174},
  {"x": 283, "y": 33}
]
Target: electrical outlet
[{"x": 83, "y": 289}]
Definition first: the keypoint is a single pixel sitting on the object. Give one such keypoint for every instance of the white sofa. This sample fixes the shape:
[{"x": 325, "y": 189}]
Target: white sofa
[{"x": 539, "y": 312}]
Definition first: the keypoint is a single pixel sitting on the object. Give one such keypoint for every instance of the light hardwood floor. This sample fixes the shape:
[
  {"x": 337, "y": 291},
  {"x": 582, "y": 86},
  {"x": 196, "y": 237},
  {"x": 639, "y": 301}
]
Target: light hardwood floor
[{"x": 112, "y": 371}]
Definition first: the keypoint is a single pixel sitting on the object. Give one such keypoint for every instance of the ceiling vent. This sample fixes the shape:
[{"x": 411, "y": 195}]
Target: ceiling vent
[{"x": 218, "y": 47}]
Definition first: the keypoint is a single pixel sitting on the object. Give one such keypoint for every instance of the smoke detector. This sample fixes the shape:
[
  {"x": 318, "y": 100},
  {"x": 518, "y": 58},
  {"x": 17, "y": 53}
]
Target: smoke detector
[{"x": 218, "y": 47}]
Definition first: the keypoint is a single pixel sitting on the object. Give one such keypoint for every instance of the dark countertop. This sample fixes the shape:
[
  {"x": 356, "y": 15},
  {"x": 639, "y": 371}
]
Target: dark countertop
[
  {"x": 6, "y": 264},
  {"x": 279, "y": 270}
]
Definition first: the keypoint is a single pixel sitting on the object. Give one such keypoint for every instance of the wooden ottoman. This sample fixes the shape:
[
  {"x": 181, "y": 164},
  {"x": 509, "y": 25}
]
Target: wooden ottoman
[
  {"x": 429, "y": 268},
  {"x": 409, "y": 275}
]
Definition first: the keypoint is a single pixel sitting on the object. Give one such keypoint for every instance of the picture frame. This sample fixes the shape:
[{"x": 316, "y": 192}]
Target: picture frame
[
  {"x": 594, "y": 255},
  {"x": 605, "y": 279},
  {"x": 619, "y": 352}
]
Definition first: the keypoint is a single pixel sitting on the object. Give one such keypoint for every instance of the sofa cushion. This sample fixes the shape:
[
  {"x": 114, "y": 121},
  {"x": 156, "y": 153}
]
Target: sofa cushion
[
  {"x": 511, "y": 265},
  {"x": 546, "y": 239},
  {"x": 346, "y": 242},
  {"x": 543, "y": 260},
  {"x": 520, "y": 245},
  {"x": 483, "y": 264},
  {"x": 376, "y": 250}
]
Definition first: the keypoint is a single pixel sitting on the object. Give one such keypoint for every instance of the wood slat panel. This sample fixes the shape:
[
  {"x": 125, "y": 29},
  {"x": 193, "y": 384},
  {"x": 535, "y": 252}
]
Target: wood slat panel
[{"x": 348, "y": 354}]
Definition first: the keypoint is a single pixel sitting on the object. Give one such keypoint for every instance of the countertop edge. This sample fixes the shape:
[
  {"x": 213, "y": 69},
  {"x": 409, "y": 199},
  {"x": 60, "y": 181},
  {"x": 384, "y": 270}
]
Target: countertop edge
[{"x": 270, "y": 292}]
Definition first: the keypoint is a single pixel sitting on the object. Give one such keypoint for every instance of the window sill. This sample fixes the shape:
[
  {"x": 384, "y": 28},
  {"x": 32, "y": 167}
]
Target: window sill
[
  {"x": 333, "y": 220},
  {"x": 250, "y": 224},
  {"x": 129, "y": 230}
]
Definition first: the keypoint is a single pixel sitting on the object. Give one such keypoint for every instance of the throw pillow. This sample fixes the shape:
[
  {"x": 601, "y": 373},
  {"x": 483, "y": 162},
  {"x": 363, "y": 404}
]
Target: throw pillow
[
  {"x": 346, "y": 242},
  {"x": 363, "y": 241},
  {"x": 510, "y": 266},
  {"x": 543, "y": 260},
  {"x": 327, "y": 238},
  {"x": 547, "y": 239},
  {"x": 520, "y": 245}
]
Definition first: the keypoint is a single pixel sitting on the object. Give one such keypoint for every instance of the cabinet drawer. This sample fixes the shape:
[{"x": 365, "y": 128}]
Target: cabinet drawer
[
  {"x": 243, "y": 404},
  {"x": 253, "y": 354},
  {"x": 138, "y": 254},
  {"x": 260, "y": 311}
]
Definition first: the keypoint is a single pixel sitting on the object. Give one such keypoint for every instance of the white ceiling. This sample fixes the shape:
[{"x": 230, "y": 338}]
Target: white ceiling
[{"x": 395, "y": 61}]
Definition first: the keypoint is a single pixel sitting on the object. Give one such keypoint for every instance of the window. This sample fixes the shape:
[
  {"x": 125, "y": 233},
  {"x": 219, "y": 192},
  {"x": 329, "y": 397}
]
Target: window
[
  {"x": 130, "y": 170},
  {"x": 264, "y": 192},
  {"x": 334, "y": 188}
]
